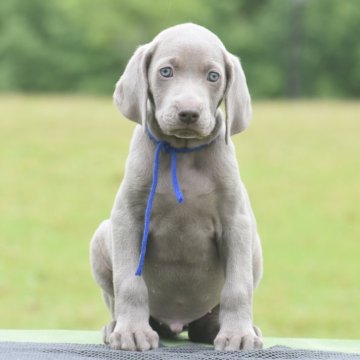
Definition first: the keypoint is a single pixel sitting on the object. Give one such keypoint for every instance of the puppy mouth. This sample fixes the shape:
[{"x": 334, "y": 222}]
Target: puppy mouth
[{"x": 186, "y": 134}]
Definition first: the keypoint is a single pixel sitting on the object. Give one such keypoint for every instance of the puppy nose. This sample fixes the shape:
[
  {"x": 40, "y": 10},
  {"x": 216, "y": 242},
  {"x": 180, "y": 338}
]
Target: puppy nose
[{"x": 188, "y": 116}]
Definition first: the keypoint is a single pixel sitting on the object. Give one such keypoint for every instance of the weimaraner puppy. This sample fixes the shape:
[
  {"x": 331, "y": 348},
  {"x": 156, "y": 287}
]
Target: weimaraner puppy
[{"x": 182, "y": 219}]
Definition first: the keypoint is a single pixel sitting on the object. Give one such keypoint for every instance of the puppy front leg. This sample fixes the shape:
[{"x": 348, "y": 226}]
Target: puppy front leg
[
  {"x": 236, "y": 324},
  {"x": 132, "y": 330}
]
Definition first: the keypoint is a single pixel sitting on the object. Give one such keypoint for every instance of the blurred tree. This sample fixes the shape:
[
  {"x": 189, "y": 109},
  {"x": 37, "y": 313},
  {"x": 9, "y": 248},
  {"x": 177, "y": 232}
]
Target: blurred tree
[
  {"x": 39, "y": 47},
  {"x": 287, "y": 47},
  {"x": 331, "y": 53}
]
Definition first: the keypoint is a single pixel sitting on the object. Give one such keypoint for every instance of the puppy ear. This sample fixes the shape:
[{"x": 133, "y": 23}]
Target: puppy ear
[
  {"x": 237, "y": 98},
  {"x": 131, "y": 91}
]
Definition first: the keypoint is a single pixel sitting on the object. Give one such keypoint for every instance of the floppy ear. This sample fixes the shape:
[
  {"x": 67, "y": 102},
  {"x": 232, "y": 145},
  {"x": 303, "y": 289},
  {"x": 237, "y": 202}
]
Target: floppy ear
[
  {"x": 131, "y": 91},
  {"x": 237, "y": 98}
]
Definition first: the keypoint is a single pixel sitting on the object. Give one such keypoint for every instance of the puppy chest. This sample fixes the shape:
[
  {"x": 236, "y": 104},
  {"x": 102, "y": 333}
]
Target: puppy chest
[{"x": 185, "y": 233}]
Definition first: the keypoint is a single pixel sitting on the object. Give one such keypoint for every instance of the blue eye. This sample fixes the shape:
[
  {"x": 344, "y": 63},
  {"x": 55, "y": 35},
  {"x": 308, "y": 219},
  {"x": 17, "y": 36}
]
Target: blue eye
[
  {"x": 166, "y": 72},
  {"x": 213, "y": 76}
]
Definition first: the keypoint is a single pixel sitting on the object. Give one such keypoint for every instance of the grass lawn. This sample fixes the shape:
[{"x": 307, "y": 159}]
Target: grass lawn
[{"x": 62, "y": 159}]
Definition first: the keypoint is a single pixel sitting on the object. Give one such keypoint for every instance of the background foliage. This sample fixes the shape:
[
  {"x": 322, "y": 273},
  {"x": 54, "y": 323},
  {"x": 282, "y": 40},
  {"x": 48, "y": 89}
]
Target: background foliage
[{"x": 289, "y": 48}]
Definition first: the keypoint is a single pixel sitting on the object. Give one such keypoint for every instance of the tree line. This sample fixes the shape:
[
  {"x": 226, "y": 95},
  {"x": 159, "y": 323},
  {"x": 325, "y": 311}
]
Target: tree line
[{"x": 288, "y": 48}]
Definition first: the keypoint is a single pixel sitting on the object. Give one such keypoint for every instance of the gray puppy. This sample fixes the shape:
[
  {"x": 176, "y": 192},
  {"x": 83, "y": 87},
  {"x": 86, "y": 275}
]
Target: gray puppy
[{"x": 203, "y": 256}]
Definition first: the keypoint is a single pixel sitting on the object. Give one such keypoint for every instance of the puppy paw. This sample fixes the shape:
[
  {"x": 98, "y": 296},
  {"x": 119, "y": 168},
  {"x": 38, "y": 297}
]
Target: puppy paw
[
  {"x": 232, "y": 340},
  {"x": 135, "y": 338}
]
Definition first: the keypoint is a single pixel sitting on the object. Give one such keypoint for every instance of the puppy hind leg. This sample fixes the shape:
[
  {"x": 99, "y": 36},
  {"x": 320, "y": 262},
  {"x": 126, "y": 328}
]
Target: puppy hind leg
[
  {"x": 100, "y": 258},
  {"x": 101, "y": 266},
  {"x": 110, "y": 303},
  {"x": 107, "y": 330}
]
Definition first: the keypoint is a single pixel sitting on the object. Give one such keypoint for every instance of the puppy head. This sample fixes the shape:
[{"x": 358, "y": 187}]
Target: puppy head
[{"x": 182, "y": 76}]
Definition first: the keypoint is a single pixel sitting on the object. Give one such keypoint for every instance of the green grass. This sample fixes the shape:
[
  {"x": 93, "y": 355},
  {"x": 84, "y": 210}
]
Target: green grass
[{"x": 62, "y": 159}]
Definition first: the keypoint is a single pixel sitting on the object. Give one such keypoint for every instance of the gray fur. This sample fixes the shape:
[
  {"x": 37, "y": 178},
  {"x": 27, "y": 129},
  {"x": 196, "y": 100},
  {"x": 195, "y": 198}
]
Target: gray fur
[{"x": 205, "y": 251}]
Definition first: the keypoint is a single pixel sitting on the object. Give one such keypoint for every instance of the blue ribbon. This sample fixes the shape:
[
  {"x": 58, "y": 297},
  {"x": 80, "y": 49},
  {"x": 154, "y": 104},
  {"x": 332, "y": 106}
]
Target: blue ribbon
[{"x": 161, "y": 145}]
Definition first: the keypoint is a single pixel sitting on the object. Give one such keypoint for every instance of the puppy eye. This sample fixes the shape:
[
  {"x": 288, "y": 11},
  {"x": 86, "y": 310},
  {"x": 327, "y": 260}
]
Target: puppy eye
[
  {"x": 213, "y": 76},
  {"x": 166, "y": 72}
]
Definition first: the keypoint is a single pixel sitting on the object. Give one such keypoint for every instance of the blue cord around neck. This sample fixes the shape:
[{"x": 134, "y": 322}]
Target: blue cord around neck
[{"x": 161, "y": 145}]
